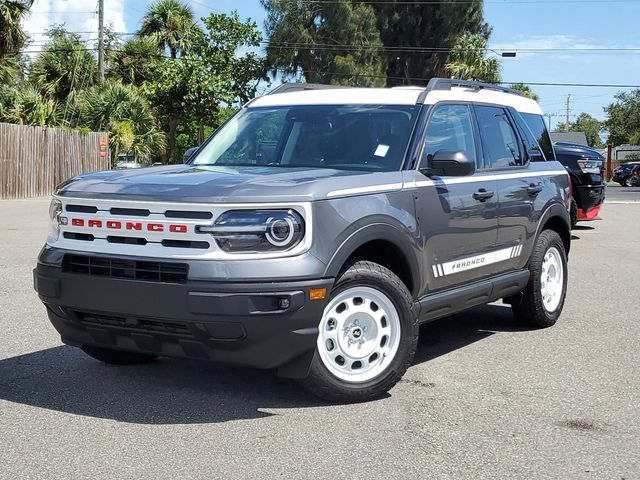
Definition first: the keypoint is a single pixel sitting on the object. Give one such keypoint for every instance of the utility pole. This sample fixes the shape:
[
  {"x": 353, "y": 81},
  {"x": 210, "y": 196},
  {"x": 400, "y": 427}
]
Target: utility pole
[
  {"x": 566, "y": 125},
  {"x": 100, "y": 42},
  {"x": 549, "y": 115}
]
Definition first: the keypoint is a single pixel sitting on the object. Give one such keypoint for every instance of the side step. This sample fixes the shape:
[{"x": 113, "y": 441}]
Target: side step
[{"x": 457, "y": 299}]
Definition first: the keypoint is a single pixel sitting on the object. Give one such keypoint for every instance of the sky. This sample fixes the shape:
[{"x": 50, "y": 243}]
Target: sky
[{"x": 549, "y": 27}]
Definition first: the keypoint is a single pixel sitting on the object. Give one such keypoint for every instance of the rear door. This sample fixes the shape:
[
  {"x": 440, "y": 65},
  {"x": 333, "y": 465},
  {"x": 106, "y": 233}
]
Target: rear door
[
  {"x": 519, "y": 187},
  {"x": 458, "y": 215}
]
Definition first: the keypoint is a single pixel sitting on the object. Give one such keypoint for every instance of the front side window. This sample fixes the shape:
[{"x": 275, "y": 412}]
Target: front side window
[
  {"x": 347, "y": 137},
  {"x": 499, "y": 139},
  {"x": 450, "y": 128}
]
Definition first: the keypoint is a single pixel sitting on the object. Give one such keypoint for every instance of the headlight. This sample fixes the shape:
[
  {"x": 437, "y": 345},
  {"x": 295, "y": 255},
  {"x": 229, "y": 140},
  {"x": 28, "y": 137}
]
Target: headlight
[
  {"x": 254, "y": 231},
  {"x": 590, "y": 166},
  {"x": 55, "y": 209}
]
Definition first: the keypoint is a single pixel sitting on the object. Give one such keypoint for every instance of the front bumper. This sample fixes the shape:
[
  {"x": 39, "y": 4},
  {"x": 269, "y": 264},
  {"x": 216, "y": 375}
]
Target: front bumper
[
  {"x": 262, "y": 325},
  {"x": 589, "y": 197}
]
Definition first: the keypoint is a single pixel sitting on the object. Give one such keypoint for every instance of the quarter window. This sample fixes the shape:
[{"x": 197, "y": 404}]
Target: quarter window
[
  {"x": 450, "y": 128},
  {"x": 500, "y": 142}
]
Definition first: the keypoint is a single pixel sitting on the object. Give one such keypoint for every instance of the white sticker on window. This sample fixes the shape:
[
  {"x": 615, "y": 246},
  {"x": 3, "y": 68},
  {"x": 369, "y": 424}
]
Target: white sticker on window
[{"x": 381, "y": 151}]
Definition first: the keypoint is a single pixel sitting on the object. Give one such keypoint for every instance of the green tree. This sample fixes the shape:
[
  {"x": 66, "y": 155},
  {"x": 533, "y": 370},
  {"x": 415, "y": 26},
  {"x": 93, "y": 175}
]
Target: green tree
[
  {"x": 12, "y": 37},
  {"x": 64, "y": 65},
  {"x": 172, "y": 24},
  {"x": 24, "y": 105},
  {"x": 587, "y": 124},
  {"x": 525, "y": 90},
  {"x": 133, "y": 62},
  {"x": 193, "y": 88},
  {"x": 468, "y": 61},
  {"x": 417, "y": 36},
  {"x": 126, "y": 115},
  {"x": 327, "y": 42},
  {"x": 623, "y": 119}
]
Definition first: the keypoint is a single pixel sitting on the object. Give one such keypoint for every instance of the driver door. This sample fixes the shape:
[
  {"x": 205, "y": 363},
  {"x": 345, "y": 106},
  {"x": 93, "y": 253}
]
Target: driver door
[{"x": 458, "y": 215}]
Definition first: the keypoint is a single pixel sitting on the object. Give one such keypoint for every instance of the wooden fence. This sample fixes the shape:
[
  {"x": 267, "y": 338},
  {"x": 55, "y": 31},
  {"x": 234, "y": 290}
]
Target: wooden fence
[{"x": 33, "y": 160}]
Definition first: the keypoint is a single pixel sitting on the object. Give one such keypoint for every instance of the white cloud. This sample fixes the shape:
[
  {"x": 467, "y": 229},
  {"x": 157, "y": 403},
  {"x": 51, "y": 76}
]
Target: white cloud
[{"x": 76, "y": 15}]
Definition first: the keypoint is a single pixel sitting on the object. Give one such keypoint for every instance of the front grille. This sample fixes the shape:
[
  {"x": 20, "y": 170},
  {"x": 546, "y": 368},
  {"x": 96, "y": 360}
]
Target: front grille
[
  {"x": 132, "y": 323},
  {"x": 128, "y": 269}
]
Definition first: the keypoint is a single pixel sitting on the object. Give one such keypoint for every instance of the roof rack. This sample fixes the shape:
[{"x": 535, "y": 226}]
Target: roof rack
[
  {"x": 300, "y": 87},
  {"x": 447, "y": 83}
]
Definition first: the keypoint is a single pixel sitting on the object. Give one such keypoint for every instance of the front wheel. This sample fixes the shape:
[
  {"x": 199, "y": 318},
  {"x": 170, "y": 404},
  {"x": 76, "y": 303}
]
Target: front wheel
[
  {"x": 573, "y": 212},
  {"x": 543, "y": 298},
  {"x": 367, "y": 336},
  {"x": 628, "y": 182}
]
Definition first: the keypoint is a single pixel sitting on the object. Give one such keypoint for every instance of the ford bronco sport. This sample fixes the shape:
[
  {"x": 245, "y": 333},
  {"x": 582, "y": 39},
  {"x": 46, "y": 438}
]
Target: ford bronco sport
[{"x": 314, "y": 232}]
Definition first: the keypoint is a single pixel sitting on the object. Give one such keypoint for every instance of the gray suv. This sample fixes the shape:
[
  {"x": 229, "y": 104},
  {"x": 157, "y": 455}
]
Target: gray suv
[{"x": 314, "y": 232}]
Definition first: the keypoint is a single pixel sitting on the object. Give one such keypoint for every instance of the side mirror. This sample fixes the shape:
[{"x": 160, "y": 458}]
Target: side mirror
[
  {"x": 188, "y": 154},
  {"x": 449, "y": 163}
]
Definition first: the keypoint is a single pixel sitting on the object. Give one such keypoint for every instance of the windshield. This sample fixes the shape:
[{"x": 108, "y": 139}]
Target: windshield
[{"x": 348, "y": 137}]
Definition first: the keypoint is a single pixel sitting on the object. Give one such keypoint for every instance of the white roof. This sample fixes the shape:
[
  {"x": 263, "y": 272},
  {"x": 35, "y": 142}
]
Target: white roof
[{"x": 396, "y": 96}]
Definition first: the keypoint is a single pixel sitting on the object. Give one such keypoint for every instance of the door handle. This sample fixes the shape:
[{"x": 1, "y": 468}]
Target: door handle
[
  {"x": 482, "y": 195},
  {"x": 534, "y": 190}
]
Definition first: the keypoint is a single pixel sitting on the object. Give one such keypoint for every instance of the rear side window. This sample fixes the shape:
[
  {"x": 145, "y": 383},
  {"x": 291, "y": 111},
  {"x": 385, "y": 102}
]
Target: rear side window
[
  {"x": 539, "y": 129},
  {"x": 499, "y": 139},
  {"x": 450, "y": 128}
]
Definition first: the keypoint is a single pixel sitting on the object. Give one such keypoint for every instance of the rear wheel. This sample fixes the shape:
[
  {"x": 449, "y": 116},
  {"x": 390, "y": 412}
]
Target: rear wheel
[
  {"x": 117, "y": 357},
  {"x": 367, "y": 336},
  {"x": 543, "y": 298}
]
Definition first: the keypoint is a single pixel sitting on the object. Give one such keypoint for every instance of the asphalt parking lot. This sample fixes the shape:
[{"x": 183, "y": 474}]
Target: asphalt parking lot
[{"x": 485, "y": 398}]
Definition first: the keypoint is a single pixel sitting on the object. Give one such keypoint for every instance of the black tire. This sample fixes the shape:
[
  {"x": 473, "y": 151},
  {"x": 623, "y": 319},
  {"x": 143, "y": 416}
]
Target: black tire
[
  {"x": 573, "y": 212},
  {"x": 621, "y": 182},
  {"x": 627, "y": 182},
  {"x": 531, "y": 310},
  {"x": 117, "y": 357},
  {"x": 324, "y": 384}
]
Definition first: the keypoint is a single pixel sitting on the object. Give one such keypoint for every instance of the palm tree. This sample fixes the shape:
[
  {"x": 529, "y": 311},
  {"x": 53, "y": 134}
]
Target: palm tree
[
  {"x": 120, "y": 110},
  {"x": 467, "y": 60},
  {"x": 12, "y": 37},
  {"x": 133, "y": 61},
  {"x": 172, "y": 24},
  {"x": 26, "y": 106},
  {"x": 525, "y": 90}
]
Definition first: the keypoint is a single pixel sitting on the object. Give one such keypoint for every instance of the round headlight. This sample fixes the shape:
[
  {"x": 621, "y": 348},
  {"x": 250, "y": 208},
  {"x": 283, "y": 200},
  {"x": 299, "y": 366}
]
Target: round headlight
[
  {"x": 280, "y": 231},
  {"x": 55, "y": 209}
]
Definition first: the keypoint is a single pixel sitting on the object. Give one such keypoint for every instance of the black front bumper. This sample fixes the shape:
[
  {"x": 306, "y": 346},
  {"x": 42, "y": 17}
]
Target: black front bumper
[
  {"x": 589, "y": 196},
  {"x": 263, "y": 325}
]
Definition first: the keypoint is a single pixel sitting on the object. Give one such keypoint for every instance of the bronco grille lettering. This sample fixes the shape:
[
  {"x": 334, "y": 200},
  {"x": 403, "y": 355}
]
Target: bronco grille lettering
[{"x": 130, "y": 226}]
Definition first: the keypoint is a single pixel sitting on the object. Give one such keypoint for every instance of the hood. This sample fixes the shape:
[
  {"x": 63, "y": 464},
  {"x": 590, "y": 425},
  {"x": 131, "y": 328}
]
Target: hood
[{"x": 198, "y": 184}]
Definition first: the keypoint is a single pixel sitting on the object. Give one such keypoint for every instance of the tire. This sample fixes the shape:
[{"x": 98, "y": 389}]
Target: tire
[
  {"x": 117, "y": 357},
  {"x": 573, "y": 212},
  {"x": 381, "y": 335},
  {"x": 628, "y": 182},
  {"x": 538, "y": 308},
  {"x": 622, "y": 183}
]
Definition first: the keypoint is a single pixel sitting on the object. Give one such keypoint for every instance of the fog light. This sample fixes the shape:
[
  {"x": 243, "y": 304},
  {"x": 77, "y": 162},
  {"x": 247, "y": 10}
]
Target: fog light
[{"x": 284, "y": 303}]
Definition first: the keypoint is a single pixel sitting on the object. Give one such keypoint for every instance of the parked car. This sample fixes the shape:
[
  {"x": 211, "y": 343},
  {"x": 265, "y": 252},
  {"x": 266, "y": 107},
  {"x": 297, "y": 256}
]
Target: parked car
[
  {"x": 586, "y": 169},
  {"x": 623, "y": 173},
  {"x": 314, "y": 232},
  {"x": 634, "y": 179}
]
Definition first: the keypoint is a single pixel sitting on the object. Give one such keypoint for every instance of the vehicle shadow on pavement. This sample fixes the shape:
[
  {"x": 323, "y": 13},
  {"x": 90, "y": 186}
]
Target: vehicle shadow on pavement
[
  {"x": 447, "y": 334},
  {"x": 167, "y": 391},
  {"x": 171, "y": 391}
]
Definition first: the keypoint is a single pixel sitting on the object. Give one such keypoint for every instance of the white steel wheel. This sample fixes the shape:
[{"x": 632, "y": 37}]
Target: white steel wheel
[
  {"x": 359, "y": 334},
  {"x": 552, "y": 279}
]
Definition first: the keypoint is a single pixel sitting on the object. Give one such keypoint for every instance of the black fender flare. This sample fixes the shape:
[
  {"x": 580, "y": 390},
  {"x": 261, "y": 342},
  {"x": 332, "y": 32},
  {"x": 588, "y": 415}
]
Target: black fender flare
[
  {"x": 377, "y": 231},
  {"x": 557, "y": 210}
]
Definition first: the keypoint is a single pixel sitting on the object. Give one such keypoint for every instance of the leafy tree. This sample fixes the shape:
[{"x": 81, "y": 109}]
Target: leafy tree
[
  {"x": 64, "y": 65},
  {"x": 327, "y": 42},
  {"x": 12, "y": 37},
  {"x": 418, "y": 35},
  {"x": 587, "y": 124},
  {"x": 133, "y": 62},
  {"x": 623, "y": 119},
  {"x": 525, "y": 90},
  {"x": 214, "y": 75},
  {"x": 468, "y": 60},
  {"x": 172, "y": 24},
  {"x": 25, "y": 105},
  {"x": 126, "y": 115}
]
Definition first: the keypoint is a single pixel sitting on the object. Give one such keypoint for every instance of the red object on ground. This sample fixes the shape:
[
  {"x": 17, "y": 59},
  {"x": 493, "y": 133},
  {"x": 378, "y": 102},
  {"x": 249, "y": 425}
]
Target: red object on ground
[{"x": 589, "y": 215}]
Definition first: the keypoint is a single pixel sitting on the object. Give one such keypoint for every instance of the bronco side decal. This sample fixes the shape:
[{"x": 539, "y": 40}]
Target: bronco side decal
[{"x": 477, "y": 261}]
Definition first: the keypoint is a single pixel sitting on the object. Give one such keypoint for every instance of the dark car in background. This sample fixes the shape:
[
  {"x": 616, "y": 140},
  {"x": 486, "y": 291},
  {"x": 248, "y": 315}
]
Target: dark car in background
[
  {"x": 586, "y": 169},
  {"x": 624, "y": 174}
]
